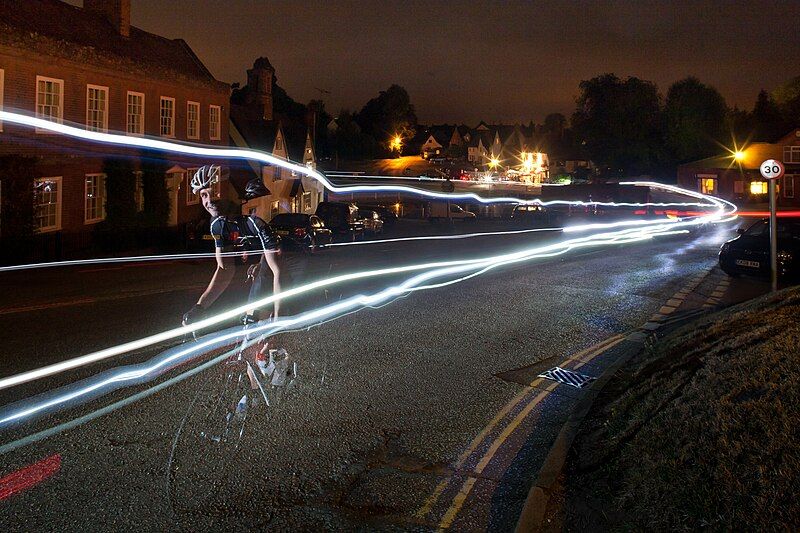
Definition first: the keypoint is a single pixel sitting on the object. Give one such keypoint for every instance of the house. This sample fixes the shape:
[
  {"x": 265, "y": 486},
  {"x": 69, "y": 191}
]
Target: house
[
  {"x": 255, "y": 124},
  {"x": 89, "y": 67},
  {"x": 736, "y": 177}
]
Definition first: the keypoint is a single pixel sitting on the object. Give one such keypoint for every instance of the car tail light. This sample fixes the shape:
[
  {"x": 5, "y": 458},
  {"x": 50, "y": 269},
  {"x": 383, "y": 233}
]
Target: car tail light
[{"x": 300, "y": 232}]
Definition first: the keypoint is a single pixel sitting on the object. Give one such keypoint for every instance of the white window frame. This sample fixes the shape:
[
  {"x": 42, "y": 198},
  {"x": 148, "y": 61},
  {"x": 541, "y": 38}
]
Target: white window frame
[
  {"x": 189, "y": 106},
  {"x": 2, "y": 92},
  {"x": 101, "y": 196},
  {"x": 57, "y": 226},
  {"x": 161, "y": 101},
  {"x": 128, "y": 115},
  {"x": 104, "y": 119},
  {"x": 274, "y": 209},
  {"x": 191, "y": 198},
  {"x": 789, "y": 178},
  {"x": 214, "y": 133},
  {"x": 60, "y": 117},
  {"x": 791, "y": 154}
]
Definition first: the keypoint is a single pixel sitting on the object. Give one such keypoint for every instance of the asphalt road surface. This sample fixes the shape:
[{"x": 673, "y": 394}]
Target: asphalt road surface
[{"x": 374, "y": 430}]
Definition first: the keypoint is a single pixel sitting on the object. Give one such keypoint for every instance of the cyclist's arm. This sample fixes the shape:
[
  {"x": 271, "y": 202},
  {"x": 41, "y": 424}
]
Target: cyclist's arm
[
  {"x": 270, "y": 254},
  {"x": 219, "y": 281}
]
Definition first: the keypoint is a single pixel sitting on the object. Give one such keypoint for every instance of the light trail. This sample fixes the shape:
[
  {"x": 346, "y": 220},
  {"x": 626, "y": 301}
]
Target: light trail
[{"x": 114, "y": 379}]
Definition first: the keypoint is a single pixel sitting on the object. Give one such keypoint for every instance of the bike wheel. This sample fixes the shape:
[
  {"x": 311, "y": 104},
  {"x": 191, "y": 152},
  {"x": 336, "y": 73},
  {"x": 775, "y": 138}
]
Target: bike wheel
[{"x": 202, "y": 468}]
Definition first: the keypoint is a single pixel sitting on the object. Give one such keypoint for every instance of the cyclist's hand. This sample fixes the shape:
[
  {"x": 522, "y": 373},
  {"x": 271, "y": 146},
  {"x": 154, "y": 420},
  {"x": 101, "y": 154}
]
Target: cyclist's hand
[
  {"x": 252, "y": 272},
  {"x": 193, "y": 315}
]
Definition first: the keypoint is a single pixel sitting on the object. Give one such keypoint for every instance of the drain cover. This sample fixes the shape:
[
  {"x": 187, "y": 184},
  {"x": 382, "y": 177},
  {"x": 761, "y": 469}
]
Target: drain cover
[{"x": 567, "y": 377}]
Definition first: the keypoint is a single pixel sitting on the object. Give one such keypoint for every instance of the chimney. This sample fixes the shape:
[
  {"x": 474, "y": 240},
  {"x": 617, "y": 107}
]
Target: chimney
[
  {"x": 116, "y": 12},
  {"x": 259, "y": 85}
]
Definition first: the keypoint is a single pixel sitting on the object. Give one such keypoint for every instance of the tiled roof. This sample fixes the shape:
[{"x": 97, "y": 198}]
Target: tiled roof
[{"x": 53, "y": 27}]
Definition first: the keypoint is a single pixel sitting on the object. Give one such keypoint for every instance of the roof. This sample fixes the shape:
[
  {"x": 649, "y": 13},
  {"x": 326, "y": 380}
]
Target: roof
[
  {"x": 39, "y": 25},
  {"x": 260, "y": 134}
]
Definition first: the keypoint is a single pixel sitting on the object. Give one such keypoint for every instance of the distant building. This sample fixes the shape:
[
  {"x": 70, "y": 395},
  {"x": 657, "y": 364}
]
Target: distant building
[
  {"x": 89, "y": 67},
  {"x": 255, "y": 124},
  {"x": 739, "y": 180}
]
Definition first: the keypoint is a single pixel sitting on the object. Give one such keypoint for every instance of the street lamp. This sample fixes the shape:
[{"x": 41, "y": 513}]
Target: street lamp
[{"x": 396, "y": 144}]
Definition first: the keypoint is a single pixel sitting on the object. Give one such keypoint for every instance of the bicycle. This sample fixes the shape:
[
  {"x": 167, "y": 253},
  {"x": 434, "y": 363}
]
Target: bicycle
[{"x": 211, "y": 436}]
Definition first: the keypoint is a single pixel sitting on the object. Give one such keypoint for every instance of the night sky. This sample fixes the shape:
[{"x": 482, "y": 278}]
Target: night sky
[{"x": 496, "y": 61}]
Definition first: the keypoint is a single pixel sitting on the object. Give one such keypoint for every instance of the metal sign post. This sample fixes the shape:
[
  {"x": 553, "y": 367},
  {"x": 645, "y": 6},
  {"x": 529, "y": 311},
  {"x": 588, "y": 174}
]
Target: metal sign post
[{"x": 772, "y": 170}]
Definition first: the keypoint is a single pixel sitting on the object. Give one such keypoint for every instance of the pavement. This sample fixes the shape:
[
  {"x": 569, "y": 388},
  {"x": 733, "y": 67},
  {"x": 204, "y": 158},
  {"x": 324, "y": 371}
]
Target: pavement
[{"x": 423, "y": 414}]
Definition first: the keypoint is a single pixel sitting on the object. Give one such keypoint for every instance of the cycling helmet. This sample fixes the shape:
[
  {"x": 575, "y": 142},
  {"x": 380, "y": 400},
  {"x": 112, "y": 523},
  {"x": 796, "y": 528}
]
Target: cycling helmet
[
  {"x": 255, "y": 188},
  {"x": 205, "y": 177}
]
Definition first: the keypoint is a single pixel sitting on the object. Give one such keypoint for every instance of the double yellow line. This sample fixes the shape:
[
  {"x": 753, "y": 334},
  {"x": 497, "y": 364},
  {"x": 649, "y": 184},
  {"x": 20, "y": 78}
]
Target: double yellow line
[{"x": 581, "y": 358}]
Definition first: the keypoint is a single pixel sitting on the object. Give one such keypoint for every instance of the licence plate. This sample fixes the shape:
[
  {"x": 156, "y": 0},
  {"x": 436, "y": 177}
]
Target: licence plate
[
  {"x": 282, "y": 232},
  {"x": 745, "y": 263}
]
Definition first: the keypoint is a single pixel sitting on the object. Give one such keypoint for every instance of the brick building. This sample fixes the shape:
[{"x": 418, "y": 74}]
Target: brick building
[
  {"x": 736, "y": 177},
  {"x": 100, "y": 73}
]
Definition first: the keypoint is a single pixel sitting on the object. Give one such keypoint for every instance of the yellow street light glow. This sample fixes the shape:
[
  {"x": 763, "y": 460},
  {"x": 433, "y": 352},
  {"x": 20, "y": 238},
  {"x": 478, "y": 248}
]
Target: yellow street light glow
[
  {"x": 738, "y": 155},
  {"x": 493, "y": 162}
]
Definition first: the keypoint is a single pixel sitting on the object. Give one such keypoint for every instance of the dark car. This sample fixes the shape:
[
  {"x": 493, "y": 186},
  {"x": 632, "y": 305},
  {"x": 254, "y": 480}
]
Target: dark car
[
  {"x": 749, "y": 252},
  {"x": 300, "y": 231},
  {"x": 527, "y": 215},
  {"x": 372, "y": 222},
  {"x": 341, "y": 218},
  {"x": 386, "y": 214}
]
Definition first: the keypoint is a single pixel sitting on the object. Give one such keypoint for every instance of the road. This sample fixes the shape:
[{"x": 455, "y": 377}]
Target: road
[{"x": 394, "y": 422}]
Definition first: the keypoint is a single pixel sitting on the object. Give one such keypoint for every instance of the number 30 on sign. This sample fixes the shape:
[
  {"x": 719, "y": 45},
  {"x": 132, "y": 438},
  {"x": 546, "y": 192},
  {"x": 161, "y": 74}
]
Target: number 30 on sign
[{"x": 772, "y": 169}]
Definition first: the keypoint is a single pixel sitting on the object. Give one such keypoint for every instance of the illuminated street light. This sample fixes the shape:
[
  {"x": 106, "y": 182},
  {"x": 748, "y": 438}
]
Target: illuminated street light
[
  {"x": 396, "y": 144},
  {"x": 738, "y": 155},
  {"x": 494, "y": 162}
]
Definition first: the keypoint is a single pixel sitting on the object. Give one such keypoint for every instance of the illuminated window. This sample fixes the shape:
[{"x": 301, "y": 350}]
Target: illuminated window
[
  {"x": 274, "y": 209},
  {"x": 95, "y": 198},
  {"x": 96, "y": 108},
  {"x": 47, "y": 204},
  {"x": 214, "y": 114},
  {"x": 758, "y": 187},
  {"x": 135, "y": 114},
  {"x": 708, "y": 185},
  {"x": 307, "y": 201},
  {"x": 49, "y": 99},
  {"x": 167, "y": 116},
  {"x": 192, "y": 120}
]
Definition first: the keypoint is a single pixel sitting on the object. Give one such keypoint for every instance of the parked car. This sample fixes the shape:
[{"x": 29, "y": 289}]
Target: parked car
[
  {"x": 526, "y": 215},
  {"x": 749, "y": 252},
  {"x": 341, "y": 218},
  {"x": 438, "y": 211},
  {"x": 372, "y": 222},
  {"x": 386, "y": 214},
  {"x": 301, "y": 231}
]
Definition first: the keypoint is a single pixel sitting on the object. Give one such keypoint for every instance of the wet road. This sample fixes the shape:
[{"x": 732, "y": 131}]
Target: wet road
[{"x": 386, "y": 404}]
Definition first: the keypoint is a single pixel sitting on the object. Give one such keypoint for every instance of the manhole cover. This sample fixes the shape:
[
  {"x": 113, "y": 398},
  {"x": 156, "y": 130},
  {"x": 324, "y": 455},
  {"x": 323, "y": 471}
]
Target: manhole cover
[{"x": 567, "y": 377}]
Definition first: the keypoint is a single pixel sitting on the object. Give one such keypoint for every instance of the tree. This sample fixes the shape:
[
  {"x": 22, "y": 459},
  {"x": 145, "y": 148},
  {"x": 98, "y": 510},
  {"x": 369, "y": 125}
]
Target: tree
[
  {"x": 767, "y": 120},
  {"x": 17, "y": 175},
  {"x": 554, "y": 124},
  {"x": 390, "y": 113},
  {"x": 694, "y": 115},
  {"x": 787, "y": 97},
  {"x": 618, "y": 123}
]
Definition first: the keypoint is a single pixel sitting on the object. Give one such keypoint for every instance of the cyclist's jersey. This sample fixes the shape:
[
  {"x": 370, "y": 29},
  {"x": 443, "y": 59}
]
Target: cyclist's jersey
[{"x": 243, "y": 233}]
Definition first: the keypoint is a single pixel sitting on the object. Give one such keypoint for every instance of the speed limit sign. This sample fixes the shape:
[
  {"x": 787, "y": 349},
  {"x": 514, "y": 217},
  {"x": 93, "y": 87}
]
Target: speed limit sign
[{"x": 772, "y": 169}]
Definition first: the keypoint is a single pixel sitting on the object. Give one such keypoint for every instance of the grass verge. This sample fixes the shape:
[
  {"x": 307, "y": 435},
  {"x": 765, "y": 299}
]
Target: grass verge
[{"x": 701, "y": 430}]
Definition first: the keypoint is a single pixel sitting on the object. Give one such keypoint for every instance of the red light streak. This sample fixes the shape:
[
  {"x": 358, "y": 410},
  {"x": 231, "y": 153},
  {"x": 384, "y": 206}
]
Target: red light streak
[{"x": 29, "y": 476}]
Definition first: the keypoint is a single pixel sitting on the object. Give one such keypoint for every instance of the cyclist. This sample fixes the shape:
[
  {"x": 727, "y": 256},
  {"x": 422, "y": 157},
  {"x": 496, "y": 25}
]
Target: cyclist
[{"x": 248, "y": 235}]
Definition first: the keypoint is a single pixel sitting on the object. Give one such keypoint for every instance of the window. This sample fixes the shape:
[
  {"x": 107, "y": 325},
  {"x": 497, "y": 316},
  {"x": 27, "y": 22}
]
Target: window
[
  {"x": 306, "y": 201},
  {"x": 758, "y": 187},
  {"x": 47, "y": 204},
  {"x": 253, "y": 211},
  {"x": 96, "y": 108},
  {"x": 214, "y": 117},
  {"x": 49, "y": 99},
  {"x": 791, "y": 154},
  {"x": 707, "y": 184},
  {"x": 135, "y": 114},
  {"x": 192, "y": 120},
  {"x": 738, "y": 187},
  {"x": 138, "y": 193},
  {"x": 274, "y": 209},
  {"x": 95, "y": 198},
  {"x": 2, "y": 80},
  {"x": 278, "y": 144},
  {"x": 191, "y": 197},
  {"x": 788, "y": 186},
  {"x": 167, "y": 115}
]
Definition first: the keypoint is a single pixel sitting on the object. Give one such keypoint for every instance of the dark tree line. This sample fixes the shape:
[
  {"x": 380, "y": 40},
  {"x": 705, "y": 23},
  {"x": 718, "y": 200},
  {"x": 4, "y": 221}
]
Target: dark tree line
[{"x": 627, "y": 128}]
